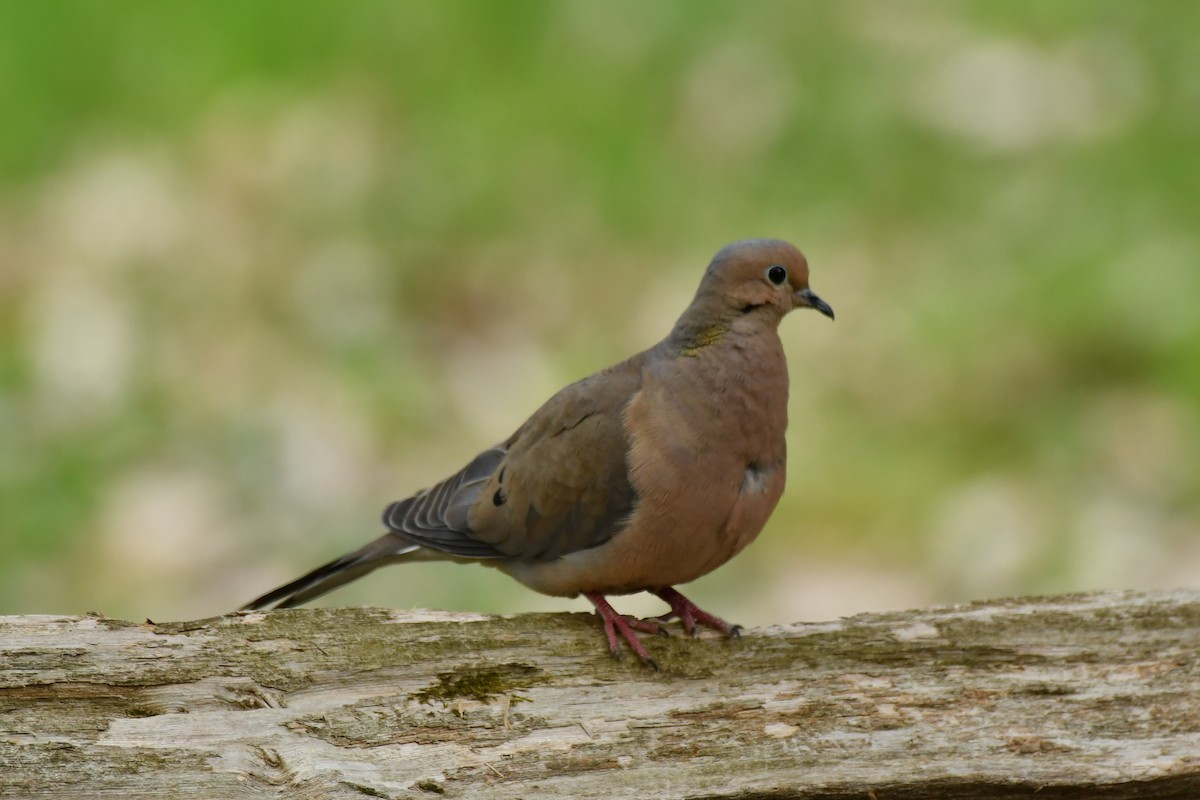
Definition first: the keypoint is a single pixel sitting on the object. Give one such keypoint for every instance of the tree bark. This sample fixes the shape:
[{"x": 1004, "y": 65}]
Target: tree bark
[{"x": 1088, "y": 696}]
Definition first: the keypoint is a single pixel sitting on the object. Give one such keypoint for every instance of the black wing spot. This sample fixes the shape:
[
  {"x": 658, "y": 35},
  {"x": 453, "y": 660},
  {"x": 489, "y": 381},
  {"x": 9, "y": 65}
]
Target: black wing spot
[{"x": 499, "y": 498}]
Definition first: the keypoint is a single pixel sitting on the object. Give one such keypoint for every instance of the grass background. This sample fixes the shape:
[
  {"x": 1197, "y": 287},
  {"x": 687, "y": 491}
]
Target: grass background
[{"x": 266, "y": 266}]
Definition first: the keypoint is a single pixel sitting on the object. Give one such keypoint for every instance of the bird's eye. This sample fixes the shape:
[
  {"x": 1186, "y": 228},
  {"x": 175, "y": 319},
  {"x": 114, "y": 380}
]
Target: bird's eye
[{"x": 776, "y": 274}]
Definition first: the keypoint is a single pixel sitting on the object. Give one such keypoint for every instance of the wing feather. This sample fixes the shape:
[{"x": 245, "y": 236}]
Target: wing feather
[
  {"x": 433, "y": 517},
  {"x": 559, "y": 484}
]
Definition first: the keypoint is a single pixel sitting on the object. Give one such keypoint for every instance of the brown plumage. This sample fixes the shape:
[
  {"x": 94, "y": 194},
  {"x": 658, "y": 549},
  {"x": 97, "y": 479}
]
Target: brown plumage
[{"x": 640, "y": 477}]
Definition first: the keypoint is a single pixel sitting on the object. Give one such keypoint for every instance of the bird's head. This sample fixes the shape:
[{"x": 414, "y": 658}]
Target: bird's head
[{"x": 758, "y": 276}]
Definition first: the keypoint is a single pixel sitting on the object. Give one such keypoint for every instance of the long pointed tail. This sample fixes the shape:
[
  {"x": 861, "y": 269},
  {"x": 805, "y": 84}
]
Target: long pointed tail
[{"x": 387, "y": 549}]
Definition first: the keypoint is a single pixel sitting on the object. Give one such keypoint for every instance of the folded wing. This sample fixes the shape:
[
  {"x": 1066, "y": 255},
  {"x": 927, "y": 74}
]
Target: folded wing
[{"x": 558, "y": 485}]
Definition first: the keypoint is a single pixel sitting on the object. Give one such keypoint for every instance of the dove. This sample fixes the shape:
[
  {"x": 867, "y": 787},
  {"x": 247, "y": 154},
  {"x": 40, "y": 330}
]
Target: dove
[{"x": 639, "y": 478}]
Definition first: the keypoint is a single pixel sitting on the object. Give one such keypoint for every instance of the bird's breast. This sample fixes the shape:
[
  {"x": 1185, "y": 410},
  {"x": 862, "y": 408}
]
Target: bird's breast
[{"x": 707, "y": 459}]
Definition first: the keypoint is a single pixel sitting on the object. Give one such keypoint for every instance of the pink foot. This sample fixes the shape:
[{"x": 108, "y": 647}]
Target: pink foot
[
  {"x": 615, "y": 623},
  {"x": 690, "y": 615}
]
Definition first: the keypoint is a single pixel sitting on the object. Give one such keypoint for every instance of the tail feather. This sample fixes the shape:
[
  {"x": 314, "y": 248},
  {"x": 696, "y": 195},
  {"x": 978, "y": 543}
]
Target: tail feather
[{"x": 327, "y": 577}]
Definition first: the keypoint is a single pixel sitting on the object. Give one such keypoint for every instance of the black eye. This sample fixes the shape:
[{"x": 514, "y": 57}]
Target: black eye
[{"x": 776, "y": 274}]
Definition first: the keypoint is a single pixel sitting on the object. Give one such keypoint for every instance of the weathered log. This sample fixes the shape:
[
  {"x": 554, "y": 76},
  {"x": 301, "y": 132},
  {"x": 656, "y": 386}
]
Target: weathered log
[{"x": 1089, "y": 696}]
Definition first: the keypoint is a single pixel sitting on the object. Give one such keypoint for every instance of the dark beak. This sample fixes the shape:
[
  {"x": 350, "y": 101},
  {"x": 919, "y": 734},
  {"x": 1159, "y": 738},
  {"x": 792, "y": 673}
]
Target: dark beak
[{"x": 809, "y": 298}]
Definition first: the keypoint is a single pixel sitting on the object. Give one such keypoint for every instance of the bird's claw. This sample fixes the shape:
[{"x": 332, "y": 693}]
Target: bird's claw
[
  {"x": 690, "y": 615},
  {"x": 615, "y": 624},
  {"x": 689, "y": 627},
  {"x": 620, "y": 626},
  {"x": 651, "y": 626}
]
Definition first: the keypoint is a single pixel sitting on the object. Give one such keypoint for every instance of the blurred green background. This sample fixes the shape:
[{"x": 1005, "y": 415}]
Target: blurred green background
[{"x": 266, "y": 266}]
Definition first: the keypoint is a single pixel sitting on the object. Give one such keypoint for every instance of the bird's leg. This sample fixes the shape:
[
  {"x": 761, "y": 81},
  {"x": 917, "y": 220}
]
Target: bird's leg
[
  {"x": 615, "y": 623},
  {"x": 690, "y": 614}
]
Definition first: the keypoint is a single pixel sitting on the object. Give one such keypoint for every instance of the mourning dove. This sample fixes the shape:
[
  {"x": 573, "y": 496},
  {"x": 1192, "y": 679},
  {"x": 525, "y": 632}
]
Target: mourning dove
[{"x": 645, "y": 475}]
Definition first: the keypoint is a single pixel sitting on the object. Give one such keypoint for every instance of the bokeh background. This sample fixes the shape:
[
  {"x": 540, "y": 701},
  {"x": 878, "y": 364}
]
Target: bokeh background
[{"x": 266, "y": 266}]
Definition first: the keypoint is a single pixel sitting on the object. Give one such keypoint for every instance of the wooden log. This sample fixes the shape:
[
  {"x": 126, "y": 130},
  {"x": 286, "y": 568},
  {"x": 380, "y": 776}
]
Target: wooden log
[{"x": 1087, "y": 696}]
